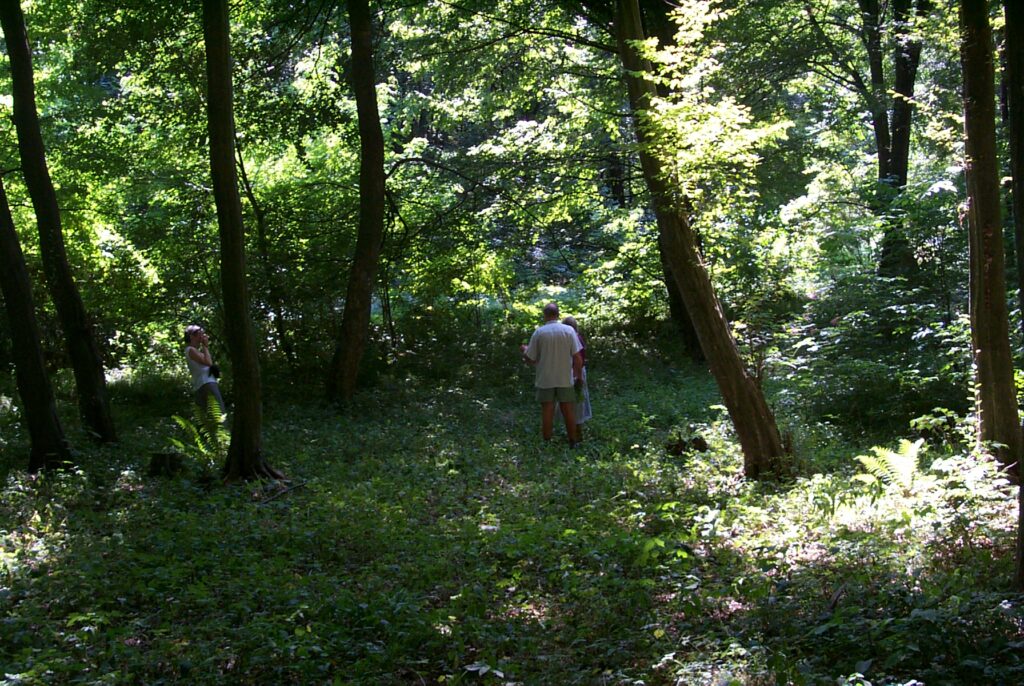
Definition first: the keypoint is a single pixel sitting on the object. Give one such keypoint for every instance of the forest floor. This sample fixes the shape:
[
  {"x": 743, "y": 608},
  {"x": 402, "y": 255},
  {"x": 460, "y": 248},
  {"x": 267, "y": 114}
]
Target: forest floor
[{"x": 430, "y": 537}]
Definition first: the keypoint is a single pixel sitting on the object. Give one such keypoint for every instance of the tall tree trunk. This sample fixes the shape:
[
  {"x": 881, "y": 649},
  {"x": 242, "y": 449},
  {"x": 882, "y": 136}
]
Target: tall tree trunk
[
  {"x": 245, "y": 454},
  {"x": 997, "y": 401},
  {"x": 897, "y": 254},
  {"x": 892, "y": 128},
  {"x": 751, "y": 416},
  {"x": 1013, "y": 12},
  {"x": 1013, "y": 51},
  {"x": 48, "y": 449},
  {"x": 876, "y": 96},
  {"x": 86, "y": 361},
  {"x": 906, "y": 60},
  {"x": 263, "y": 246},
  {"x": 355, "y": 323}
]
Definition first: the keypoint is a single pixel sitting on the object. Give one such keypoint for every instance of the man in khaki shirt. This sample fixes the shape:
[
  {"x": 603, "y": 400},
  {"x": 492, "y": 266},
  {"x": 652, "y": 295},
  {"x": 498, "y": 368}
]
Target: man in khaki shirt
[{"x": 554, "y": 350}]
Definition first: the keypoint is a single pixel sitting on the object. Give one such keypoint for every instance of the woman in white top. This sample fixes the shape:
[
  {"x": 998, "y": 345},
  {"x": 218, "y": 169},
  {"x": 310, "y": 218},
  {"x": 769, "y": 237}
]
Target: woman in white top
[
  {"x": 583, "y": 410},
  {"x": 197, "y": 354}
]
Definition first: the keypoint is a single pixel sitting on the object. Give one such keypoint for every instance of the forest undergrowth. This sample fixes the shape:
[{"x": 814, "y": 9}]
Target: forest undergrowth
[{"x": 429, "y": 536}]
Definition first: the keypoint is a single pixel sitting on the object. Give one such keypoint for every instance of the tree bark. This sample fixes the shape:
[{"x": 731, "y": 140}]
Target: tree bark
[
  {"x": 48, "y": 448},
  {"x": 754, "y": 422},
  {"x": 245, "y": 453},
  {"x": 999, "y": 421},
  {"x": 355, "y": 324},
  {"x": 86, "y": 361}
]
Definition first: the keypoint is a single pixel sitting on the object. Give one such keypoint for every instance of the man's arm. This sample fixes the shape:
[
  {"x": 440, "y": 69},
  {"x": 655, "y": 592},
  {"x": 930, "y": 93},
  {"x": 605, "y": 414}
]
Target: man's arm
[{"x": 577, "y": 366}]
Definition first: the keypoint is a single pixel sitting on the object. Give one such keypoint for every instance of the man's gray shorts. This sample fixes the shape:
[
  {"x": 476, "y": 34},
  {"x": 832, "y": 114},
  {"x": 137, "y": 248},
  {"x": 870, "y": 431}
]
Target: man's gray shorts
[{"x": 561, "y": 395}]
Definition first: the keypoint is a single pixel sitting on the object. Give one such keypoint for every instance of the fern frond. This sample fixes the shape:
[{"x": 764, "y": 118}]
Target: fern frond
[
  {"x": 190, "y": 429},
  {"x": 892, "y": 467},
  {"x": 904, "y": 462}
]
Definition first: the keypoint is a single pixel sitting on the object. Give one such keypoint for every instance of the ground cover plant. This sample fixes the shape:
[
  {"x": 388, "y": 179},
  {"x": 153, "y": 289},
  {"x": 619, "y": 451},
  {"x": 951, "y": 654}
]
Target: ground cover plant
[
  {"x": 783, "y": 224},
  {"x": 429, "y": 536}
]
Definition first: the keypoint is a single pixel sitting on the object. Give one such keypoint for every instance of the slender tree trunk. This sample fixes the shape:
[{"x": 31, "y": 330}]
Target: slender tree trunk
[
  {"x": 877, "y": 96},
  {"x": 752, "y": 418},
  {"x": 892, "y": 129},
  {"x": 355, "y": 323},
  {"x": 997, "y": 401},
  {"x": 245, "y": 454},
  {"x": 48, "y": 449},
  {"x": 907, "y": 58},
  {"x": 86, "y": 361},
  {"x": 263, "y": 246}
]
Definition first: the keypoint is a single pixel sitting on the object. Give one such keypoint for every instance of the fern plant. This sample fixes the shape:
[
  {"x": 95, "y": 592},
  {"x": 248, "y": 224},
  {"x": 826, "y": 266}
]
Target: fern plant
[
  {"x": 891, "y": 467},
  {"x": 206, "y": 439}
]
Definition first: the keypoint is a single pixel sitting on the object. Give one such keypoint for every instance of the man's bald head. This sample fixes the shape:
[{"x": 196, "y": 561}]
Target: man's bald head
[{"x": 550, "y": 311}]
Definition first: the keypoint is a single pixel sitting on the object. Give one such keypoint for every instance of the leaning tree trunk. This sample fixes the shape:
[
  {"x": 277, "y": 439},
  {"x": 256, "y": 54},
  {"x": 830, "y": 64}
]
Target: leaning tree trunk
[
  {"x": 48, "y": 449},
  {"x": 614, "y": 180},
  {"x": 86, "y": 362},
  {"x": 355, "y": 323},
  {"x": 656, "y": 14},
  {"x": 245, "y": 454},
  {"x": 997, "y": 401},
  {"x": 751, "y": 416}
]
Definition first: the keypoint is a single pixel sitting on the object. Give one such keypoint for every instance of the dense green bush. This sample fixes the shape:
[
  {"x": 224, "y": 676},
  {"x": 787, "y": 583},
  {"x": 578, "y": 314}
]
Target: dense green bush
[{"x": 869, "y": 356}]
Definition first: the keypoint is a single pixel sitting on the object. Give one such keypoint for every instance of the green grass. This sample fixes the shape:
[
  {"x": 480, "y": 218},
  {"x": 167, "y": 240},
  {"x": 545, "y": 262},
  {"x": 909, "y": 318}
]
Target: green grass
[{"x": 431, "y": 537}]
